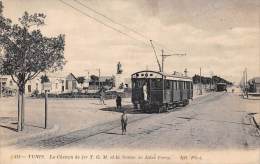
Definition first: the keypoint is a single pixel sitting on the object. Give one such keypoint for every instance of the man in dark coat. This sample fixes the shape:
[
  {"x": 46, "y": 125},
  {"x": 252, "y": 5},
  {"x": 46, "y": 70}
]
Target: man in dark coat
[{"x": 118, "y": 102}]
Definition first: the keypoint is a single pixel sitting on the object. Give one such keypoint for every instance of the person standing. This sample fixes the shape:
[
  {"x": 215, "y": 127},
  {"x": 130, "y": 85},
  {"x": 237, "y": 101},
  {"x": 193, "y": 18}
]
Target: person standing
[
  {"x": 124, "y": 120},
  {"x": 145, "y": 92},
  {"x": 102, "y": 97},
  {"x": 118, "y": 102}
]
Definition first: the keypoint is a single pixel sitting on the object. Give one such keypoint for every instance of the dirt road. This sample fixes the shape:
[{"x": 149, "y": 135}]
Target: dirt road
[{"x": 217, "y": 121}]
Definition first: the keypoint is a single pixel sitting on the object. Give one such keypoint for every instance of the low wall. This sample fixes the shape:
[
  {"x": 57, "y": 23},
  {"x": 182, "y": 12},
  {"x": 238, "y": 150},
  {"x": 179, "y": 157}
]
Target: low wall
[{"x": 108, "y": 95}]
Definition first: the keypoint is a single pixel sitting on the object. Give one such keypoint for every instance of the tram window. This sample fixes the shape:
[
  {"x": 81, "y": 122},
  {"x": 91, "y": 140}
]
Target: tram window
[
  {"x": 168, "y": 84},
  {"x": 140, "y": 84},
  {"x": 156, "y": 84},
  {"x": 188, "y": 85},
  {"x": 177, "y": 85},
  {"x": 142, "y": 74},
  {"x": 180, "y": 86}
]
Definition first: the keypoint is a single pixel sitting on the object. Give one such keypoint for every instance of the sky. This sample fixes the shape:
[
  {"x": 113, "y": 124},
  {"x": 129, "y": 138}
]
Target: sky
[{"x": 220, "y": 37}]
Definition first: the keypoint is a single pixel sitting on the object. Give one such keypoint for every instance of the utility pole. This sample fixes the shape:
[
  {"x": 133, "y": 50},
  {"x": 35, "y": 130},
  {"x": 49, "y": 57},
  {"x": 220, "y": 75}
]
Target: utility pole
[
  {"x": 200, "y": 83},
  {"x": 246, "y": 77},
  {"x": 46, "y": 109},
  {"x": 46, "y": 87},
  {"x": 162, "y": 66},
  {"x": 246, "y": 83},
  {"x": 167, "y": 55},
  {"x": 0, "y": 86},
  {"x": 162, "y": 77},
  {"x": 99, "y": 78},
  {"x": 163, "y": 57}
]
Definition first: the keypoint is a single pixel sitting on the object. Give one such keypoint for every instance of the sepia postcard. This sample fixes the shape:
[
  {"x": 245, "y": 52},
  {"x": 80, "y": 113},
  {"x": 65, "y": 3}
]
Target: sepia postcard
[{"x": 130, "y": 81}]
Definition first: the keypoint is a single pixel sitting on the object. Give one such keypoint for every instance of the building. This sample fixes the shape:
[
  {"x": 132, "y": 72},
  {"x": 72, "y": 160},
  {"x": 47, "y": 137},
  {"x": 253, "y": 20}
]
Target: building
[
  {"x": 105, "y": 81},
  {"x": 7, "y": 86},
  {"x": 59, "y": 84},
  {"x": 70, "y": 84}
]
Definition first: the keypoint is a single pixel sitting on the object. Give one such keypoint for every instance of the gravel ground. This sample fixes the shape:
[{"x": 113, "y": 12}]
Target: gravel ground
[{"x": 216, "y": 121}]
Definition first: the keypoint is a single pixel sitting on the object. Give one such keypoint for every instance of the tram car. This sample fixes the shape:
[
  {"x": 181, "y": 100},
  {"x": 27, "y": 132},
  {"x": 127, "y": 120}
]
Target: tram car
[
  {"x": 254, "y": 86},
  {"x": 221, "y": 87},
  {"x": 157, "y": 92}
]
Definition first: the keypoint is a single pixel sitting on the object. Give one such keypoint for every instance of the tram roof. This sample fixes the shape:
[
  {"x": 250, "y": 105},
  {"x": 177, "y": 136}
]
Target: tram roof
[
  {"x": 255, "y": 80},
  {"x": 152, "y": 74},
  {"x": 221, "y": 83}
]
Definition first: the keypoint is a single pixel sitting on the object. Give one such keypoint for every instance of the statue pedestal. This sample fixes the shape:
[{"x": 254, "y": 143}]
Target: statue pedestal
[{"x": 118, "y": 80}]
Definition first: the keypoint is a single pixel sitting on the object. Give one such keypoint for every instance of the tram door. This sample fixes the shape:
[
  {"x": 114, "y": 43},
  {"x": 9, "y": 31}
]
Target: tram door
[
  {"x": 145, "y": 89},
  {"x": 142, "y": 88}
]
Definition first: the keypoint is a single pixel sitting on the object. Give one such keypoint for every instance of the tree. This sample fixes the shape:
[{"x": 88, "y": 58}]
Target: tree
[
  {"x": 27, "y": 53},
  {"x": 81, "y": 80},
  {"x": 45, "y": 79},
  {"x": 1, "y": 7},
  {"x": 94, "y": 78}
]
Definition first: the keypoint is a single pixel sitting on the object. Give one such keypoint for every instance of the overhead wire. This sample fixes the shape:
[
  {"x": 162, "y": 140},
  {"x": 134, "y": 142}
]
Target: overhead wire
[
  {"x": 122, "y": 25},
  {"x": 110, "y": 26},
  {"x": 99, "y": 21}
]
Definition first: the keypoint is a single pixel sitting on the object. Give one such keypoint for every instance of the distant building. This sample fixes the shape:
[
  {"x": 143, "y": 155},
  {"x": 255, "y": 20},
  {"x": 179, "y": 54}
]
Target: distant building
[
  {"x": 70, "y": 83},
  {"x": 59, "y": 84},
  {"x": 105, "y": 81},
  {"x": 7, "y": 86}
]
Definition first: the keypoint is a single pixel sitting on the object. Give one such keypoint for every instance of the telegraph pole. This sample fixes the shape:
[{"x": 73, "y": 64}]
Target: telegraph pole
[
  {"x": 163, "y": 58},
  {"x": 200, "y": 83},
  {"x": 99, "y": 78},
  {"x": 246, "y": 83},
  {"x": 167, "y": 55},
  {"x": 46, "y": 109},
  {"x": 0, "y": 86},
  {"x": 246, "y": 77},
  {"x": 162, "y": 77}
]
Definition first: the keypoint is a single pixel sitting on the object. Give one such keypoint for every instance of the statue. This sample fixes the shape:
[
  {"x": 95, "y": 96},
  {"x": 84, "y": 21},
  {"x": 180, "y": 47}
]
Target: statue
[
  {"x": 185, "y": 72},
  {"x": 119, "y": 68}
]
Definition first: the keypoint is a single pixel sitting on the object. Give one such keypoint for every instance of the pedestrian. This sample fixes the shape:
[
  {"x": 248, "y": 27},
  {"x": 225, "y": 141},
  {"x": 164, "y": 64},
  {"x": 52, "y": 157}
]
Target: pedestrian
[
  {"x": 246, "y": 92},
  {"x": 102, "y": 97},
  {"x": 118, "y": 102},
  {"x": 145, "y": 92},
  {"x": 124, "y": 122}
]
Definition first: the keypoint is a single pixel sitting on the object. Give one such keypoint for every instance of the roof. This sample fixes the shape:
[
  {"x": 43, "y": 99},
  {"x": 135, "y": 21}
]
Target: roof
[
  {"x": 69, "y": 76},
  {"x": 155, "y": 74},
  {"x": 221, "y": 83},
  {"x": 255, "y": 79}
]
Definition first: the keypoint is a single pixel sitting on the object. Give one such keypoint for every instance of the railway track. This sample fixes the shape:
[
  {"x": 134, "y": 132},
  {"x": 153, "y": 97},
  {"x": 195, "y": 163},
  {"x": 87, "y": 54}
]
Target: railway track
[{"x": 75, "y": 136}]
